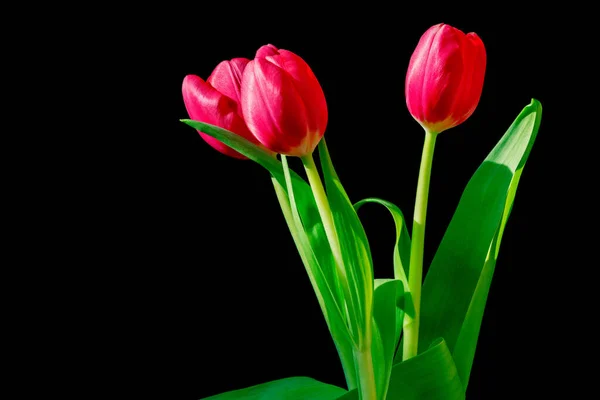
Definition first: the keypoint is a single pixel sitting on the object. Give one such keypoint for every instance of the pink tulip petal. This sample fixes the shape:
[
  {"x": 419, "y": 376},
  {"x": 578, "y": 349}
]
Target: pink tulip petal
[
  {"x": 415, "y": 74},
  {"x": 443, "y": 74},
  {"x": 267, "y": 50},
  {"x": 310, "y": 91},
  {"x": 204, "y": 103},
  {"x": 227, "y": 77},
  {"x": 471, "y": 87},
  {"x": 273, "y": 108}
]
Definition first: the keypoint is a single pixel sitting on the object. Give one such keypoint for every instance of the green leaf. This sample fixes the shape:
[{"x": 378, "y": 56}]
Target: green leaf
[
  {"x": 401, "y": 256},
  {"x": 354, "y": 247},
  {"x": 297, "y": 388},
  {"x": 325, "y": 293},
  {"x": 388, "y": 319},
  {"x": 249, "y": 149},
  {"x": 431, "y": 375},
  {"x": 309, "y": 236},
  {"x": 401, "y": 248},
  {"x": 457, "y": 284},
  {"x": 387, "y": 310}
]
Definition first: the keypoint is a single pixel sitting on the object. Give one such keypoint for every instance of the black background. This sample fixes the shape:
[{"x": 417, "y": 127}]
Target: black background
[{"x": 204, "y": 289}]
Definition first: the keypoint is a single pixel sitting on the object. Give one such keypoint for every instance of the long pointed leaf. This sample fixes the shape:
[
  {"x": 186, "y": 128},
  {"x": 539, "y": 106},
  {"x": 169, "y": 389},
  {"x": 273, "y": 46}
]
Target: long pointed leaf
[
  {"x": 456, "y": 287},
  {"x": 319, "y": 260},
  {"x": 356, "y": 254},
  {"x": 357, "y": 264},
  {"x": 297, "y": 388},
  {"x": 325, "y": 294}
]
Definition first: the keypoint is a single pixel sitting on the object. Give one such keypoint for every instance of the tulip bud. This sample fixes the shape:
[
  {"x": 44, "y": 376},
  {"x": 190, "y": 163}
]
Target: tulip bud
[
  {"x": 217, "y": 102},
  {"x": 445, "y": 77},
  {"x": 283, "y": 103}
]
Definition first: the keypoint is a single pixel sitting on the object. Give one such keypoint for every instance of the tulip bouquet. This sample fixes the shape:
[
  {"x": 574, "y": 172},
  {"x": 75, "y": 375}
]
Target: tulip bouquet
[{"x": 401, "y": 337}]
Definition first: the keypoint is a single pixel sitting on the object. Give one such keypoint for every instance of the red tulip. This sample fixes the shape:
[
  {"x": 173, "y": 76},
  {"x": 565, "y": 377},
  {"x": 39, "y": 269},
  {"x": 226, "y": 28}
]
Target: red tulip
[
  {"x": 445, "y": 77},
  {"x": 217, "y": 102},
  {"x": 283, "y": 103}
]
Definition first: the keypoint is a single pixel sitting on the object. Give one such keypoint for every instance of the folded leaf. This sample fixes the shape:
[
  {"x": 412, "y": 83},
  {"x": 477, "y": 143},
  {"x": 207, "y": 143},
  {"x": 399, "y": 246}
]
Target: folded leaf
[
  {"x": 457, "y": 284},
  {"x": 402, "y": 246},
  {"x": 388, "y": 319},
  {"x": 401, "y": 256},
  {"x": 430, "y": 375},
  {"x": 297, "y": 388}
]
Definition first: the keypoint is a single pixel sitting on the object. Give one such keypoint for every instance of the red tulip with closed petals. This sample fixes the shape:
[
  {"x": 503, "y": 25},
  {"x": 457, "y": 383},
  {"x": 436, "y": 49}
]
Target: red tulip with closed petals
[
  {"x": 217, "y": 102},
  {"x": 283, "y": 103},
  {"x": 445, "y": 77}
]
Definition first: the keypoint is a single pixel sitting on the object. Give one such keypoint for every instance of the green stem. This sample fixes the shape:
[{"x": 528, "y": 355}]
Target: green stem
[
  {"x": 329, "y": 226},
  {"x": 366, "y": 374},
  {"x": 346, "y": 359},
  {"x": 325, "y": 212},
  {"x": 363, "y": 358},
  {"x": 362, "y": 349},
  {"x": 415, "y": 272},
  {"x": 284, "y": 203}
]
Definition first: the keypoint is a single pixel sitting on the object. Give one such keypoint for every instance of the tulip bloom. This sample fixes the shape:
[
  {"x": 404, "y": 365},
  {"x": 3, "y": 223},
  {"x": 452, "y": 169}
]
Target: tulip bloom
[
  {"x": 283, "y": 103},
  {"x": 445, "y": 77},
  {"x": 217, "y": 102}
]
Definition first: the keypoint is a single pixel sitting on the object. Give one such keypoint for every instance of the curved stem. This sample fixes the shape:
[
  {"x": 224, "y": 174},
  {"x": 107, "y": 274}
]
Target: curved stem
[
  {"x": 362, "y": 350},
  {"x": 415, "y": 272},
  {"x": 284, "y": 202},
  {"x": 334, "y": 243},
  {"x": 324, "y": 210}
]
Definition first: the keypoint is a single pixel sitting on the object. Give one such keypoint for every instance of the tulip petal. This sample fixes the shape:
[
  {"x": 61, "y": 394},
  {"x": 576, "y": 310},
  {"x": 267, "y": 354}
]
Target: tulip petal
[
  {"x": 474, "y": 59},
  {"x": 415, "y": 74},
  {"x": 205, "y": 103},
  {"x": 273, "y": 108},
  {"x": 227, "y": 78},
  {"x": 267, "y": 50},
  {"x": 443, "y": 75},
  {"x": 310, "y": 91}
]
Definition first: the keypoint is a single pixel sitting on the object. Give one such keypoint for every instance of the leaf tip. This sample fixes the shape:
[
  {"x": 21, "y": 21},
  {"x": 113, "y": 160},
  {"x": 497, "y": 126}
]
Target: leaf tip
[
  {"x": 186, "y": 121},
  {"x": 535, "y": 103}
]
